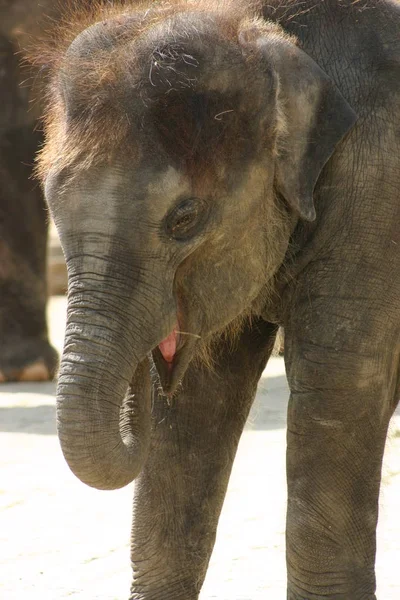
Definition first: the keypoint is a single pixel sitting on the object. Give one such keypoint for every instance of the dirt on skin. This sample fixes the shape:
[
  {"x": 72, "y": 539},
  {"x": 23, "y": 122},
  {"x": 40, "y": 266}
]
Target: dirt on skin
[{"x": 60, "y": 539}]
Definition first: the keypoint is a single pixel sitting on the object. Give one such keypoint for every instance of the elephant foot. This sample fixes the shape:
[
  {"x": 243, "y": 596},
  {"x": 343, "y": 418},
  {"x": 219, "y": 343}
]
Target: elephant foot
[
  {"x": 35, "y": 372},
  {"x": 30, "y": 362}
]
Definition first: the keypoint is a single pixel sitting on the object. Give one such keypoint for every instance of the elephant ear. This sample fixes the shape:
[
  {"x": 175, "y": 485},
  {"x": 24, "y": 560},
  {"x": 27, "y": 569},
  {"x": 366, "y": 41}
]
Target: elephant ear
[{"x": 312, "y": 114}]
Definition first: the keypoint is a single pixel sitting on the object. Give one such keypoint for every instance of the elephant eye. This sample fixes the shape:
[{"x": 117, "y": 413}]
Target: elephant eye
[{"x": 186, "y": 219}]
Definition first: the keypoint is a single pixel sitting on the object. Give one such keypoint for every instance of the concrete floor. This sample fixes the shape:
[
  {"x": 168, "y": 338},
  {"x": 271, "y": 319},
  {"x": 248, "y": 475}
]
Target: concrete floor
[{"x": 60, "y": 539}]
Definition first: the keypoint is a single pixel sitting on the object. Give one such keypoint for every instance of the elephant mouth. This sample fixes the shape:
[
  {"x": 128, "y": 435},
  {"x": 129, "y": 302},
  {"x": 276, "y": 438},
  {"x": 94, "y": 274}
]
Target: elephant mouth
[
  {"x": 172, "y": 357},
  {"x": 169, "y": 345}
]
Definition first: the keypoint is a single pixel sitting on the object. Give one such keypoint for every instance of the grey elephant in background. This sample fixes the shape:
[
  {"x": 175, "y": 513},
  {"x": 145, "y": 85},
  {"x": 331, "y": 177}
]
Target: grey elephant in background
[
  {"x": 215, "y": 170},
  {"x": 25, "y": 351}
]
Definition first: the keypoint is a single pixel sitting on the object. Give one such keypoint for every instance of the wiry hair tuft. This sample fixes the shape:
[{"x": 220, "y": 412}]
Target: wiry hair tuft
[{"x": 110, "y": 52}]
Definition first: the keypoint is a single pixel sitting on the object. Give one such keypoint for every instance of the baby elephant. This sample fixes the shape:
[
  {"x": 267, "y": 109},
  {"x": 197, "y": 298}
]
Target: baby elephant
[{"x": 216, "y": 170}]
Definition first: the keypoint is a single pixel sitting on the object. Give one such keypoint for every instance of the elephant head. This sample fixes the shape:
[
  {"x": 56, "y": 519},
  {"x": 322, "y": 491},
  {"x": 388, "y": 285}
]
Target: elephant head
[{"x": 182, "y": 147}]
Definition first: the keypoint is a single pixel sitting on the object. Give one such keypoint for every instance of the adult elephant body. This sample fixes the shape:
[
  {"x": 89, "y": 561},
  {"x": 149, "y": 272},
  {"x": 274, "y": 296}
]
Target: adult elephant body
[
  {"x": 24, "y": 349},
  {"x": 212, "y": 174},
  {"x": 25, "y": 353}
]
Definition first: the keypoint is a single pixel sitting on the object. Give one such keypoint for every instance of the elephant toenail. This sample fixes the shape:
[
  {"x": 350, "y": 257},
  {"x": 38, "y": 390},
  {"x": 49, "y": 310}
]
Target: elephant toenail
[{"x": 35, "y": 372}]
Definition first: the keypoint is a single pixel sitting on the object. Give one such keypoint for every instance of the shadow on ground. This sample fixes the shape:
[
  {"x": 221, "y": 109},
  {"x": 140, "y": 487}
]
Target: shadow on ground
[
  {"x": 47, "y": 388},
  {"x": 40, "y": 420},
  {"x": 30, "y": 408}
]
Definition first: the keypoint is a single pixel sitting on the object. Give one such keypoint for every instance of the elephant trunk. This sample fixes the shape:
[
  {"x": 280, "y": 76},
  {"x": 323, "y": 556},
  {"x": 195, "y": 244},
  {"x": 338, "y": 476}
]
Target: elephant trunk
[{"x": 103, "y": 398}]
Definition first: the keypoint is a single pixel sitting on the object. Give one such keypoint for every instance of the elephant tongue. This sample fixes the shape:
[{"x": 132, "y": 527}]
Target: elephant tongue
[{"x": 168, "y": 347}]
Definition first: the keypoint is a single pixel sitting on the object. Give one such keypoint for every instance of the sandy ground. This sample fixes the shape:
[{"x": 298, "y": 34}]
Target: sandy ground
[{"x": 60, "y": 539}]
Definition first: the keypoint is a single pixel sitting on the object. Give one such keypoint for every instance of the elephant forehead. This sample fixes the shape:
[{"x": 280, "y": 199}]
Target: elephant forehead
[
  {"x": 183, "y": 97},
  {"x": 89, "y": 198},
  {"x": 107, "y": 195}
]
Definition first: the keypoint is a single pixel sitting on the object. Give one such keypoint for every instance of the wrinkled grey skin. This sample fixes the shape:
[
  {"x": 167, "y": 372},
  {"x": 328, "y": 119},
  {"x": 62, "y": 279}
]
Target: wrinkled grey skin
[{"x": 306, "y": 237}]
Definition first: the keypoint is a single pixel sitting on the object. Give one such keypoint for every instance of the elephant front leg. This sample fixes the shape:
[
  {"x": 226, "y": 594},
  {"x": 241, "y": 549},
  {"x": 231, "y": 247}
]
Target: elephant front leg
[
  {"x": 25, "y": 351},
  {"x": 339, "y": 410},
  {"x": 179, "y": 495}
]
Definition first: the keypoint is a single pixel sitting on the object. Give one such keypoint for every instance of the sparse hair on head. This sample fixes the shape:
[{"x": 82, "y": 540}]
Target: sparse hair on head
[{"x": 95, "y": 49}]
